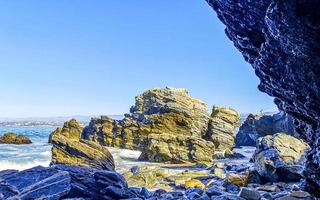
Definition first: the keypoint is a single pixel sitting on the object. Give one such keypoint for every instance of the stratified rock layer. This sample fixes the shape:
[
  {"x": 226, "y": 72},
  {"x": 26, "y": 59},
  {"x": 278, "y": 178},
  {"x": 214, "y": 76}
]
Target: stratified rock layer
[
  {"x": 256, "y": 126},
  {"x": 222, "y": 124},
  {"x": 168, "y": 125},
  {"x": 281, "y": 39},
  {"x": 69, "y": 149},
  {"x": 63, "y": 182},
  {"x": 280, "y": 157}
]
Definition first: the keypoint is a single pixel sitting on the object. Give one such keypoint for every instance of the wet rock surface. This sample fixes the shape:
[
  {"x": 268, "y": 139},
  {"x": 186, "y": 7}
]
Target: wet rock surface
[
  {"x": 256, "y": 126},
  {"x": 12, "y": 138},
  {"x": 281, "y": 40}
]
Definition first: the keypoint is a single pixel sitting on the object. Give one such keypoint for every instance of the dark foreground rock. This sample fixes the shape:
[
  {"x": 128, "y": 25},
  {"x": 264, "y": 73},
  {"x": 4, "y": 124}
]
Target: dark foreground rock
[
  {"x": 12, "y": 138},
  {"x": 281, "y": 40},
  {"x": 61, "y": 182},
  {"x": 280, "y": 158},
  {"x": 256, "y": 126},
  {"x": 71, "y": 182}
]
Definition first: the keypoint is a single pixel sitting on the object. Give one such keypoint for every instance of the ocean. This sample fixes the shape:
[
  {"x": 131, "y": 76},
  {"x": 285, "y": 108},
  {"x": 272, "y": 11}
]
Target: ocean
[
  {"x": 26, "y": 156},
  {"x": 22, "y": 157}
]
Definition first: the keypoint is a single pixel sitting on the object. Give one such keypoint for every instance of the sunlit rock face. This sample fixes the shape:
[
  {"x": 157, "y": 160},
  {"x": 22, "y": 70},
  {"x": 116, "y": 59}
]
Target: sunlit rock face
[
  {"x": 168, "y": 125},
  {"x": 281, "y": 40}
]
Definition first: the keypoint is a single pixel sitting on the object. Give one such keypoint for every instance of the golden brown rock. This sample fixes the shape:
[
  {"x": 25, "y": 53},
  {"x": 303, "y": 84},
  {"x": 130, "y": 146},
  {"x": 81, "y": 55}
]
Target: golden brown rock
[{"x": 69, "y": 149}]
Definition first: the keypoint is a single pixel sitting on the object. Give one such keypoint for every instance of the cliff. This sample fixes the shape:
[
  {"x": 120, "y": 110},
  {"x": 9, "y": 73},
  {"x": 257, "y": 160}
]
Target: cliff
[{"x": 281, "y": 40}]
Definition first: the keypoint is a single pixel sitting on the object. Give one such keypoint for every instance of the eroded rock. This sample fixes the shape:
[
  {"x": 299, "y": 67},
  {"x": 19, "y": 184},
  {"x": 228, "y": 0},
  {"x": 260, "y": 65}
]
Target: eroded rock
[
  {"x": 280, "y": 157},
  {"x": 69, "y": 149},
  {"x": 168, "y": 125},
  {"x": 222, "y": 124},
  {"x": 12, "y": 138}
]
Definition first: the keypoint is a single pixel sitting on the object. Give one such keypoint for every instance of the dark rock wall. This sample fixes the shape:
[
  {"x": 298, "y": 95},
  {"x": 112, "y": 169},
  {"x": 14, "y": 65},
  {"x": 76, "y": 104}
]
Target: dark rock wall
[{"x": 281, "y": 40}]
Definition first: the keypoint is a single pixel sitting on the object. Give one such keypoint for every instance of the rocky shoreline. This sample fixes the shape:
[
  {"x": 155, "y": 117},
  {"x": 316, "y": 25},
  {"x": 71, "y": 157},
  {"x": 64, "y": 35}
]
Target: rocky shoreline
[
  {"x": 194, "y": 151},
  {"x": 281, "y": 40}
]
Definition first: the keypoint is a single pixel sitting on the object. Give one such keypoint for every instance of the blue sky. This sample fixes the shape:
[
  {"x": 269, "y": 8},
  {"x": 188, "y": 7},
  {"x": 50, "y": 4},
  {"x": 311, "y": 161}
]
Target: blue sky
[{"x": 60, "y": 58}]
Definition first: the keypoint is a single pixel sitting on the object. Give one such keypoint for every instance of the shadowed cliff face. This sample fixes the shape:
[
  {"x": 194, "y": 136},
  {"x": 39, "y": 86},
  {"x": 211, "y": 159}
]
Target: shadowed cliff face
[{"x": 281, "y": 40}]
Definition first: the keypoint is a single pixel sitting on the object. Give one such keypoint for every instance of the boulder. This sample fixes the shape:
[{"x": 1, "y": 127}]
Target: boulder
[
  {"x": 222, "y": 124},
  {"x": 47, "y": 183},
  {"x": 256, "y": 126},
  {"x": 12, "y": 138},
  {"x": 68, "y": 148},
  {"x": 65, "y": 182},
  {"x": 280, "y": 157}
]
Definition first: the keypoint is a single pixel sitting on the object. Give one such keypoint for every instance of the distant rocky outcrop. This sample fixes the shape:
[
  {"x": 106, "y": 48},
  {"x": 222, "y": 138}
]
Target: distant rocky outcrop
[
  {"x": 256, "y": 126},
  {"x": 167, "y": 125},
  {"x": 280, "y": 157},
  {"x": 12, "y": 138},
  {"x": 69, "y": 148}
]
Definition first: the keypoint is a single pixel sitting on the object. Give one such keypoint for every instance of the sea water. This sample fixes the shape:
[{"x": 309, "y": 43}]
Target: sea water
[
  {"x": 26, "y": 156},
  {"x": 22, "y": 157}
]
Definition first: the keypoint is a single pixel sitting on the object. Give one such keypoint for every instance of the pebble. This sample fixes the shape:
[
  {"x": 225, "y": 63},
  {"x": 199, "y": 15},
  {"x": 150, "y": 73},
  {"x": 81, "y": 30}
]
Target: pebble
[{"x": 249, "y": 194}]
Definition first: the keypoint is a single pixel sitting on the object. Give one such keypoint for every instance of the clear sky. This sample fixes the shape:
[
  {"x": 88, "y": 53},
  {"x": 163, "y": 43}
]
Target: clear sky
[{"x": 62, "y": 58}]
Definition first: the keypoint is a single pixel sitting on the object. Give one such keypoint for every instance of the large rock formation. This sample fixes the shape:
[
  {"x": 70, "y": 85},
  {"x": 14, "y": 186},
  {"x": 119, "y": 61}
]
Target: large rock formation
[
  {"x": 256, "y": 126},
  {"x": 280, "y": 157},
  {"x": 167, "y": 125},
  {"x": 12, "y": 138},
  {"x": 69, "y": 148},
  {"x": 222, "y": 124},
  {"x": 281, "y": 39}
]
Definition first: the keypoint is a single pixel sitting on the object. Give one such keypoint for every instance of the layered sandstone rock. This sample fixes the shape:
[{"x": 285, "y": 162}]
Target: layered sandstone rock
[
  {"x": 222, "y": 124},
  {"x": 256, "y": 126},
  {"x": 69, "y": 148},
  {"x": 281, "y": 39},
  {"x": 167, "y": 125}
]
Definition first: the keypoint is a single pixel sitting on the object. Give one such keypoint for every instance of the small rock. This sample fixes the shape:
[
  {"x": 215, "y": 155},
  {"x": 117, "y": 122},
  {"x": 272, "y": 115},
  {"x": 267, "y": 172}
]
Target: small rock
[
  {"x": 213, "y": 191},
  {"x": 135, "y": 169},
  {"x": 269, "y": 188},
  {"x": 219, "y": 173},
  {"x": 194, "y": 183},
  {"x": 239, "y": 180},
  {"x": 249, "y": 194},
  {"x": 231, "y": 188}
]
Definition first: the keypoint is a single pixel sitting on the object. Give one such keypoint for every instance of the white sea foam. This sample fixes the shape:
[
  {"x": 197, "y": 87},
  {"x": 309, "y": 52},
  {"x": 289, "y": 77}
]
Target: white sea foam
[{"x": 5, "y": 164}]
